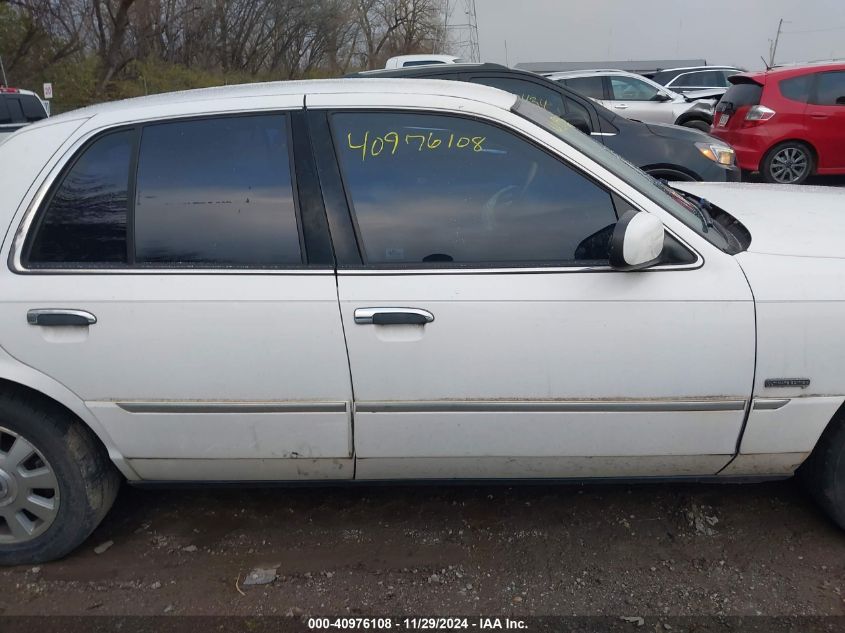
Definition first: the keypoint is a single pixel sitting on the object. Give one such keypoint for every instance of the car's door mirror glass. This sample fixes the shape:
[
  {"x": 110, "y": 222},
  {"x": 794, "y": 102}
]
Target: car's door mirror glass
[{"x": 637, "y": 241}]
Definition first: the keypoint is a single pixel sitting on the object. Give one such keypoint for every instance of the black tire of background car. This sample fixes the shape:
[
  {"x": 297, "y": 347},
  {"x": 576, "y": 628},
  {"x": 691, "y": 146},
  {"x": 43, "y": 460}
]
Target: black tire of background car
[
  {"x": 698, "y": 124},
  {"x": 824, "y": 472},
  {"x": 88, "y": 481},
  {"x": 766, "y": 165}
]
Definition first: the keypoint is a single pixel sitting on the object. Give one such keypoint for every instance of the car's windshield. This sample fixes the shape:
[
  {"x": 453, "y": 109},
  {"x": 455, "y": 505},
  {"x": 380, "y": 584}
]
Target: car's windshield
[{"x": 683, "y": 208}]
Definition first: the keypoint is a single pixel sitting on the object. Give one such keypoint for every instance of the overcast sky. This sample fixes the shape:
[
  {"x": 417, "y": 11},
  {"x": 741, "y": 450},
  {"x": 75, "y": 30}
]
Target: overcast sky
[{"x": 720, "y": 31}]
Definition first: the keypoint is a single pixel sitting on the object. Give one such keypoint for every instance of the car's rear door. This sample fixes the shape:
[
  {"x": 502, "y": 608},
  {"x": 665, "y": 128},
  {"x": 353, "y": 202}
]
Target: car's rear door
[
  {"x": 487, "y": 336},
  {"x": 178, "y": 279},
  {"x": 825, "y": 118}
]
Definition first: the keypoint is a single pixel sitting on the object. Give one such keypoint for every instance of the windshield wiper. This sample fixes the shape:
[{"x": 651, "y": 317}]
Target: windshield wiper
[{"x": 701, "y": 207}]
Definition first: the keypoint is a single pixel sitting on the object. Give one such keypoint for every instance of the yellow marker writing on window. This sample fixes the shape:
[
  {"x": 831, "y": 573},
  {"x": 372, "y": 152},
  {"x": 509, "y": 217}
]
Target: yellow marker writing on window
[{"x": 388, "y": 144}]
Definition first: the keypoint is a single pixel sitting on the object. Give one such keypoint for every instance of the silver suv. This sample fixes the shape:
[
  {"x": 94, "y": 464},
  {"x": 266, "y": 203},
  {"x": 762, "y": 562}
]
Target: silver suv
[
  {"x": 635, "y": 97},
  {"x": 693, "y": 78}
]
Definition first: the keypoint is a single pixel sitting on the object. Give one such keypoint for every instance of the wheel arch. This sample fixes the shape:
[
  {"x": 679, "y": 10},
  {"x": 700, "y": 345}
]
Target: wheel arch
[
  {"x": 661, "y": 168},
  {"x": 688, "y": 116},
  {"x": 26, "y": 382}
]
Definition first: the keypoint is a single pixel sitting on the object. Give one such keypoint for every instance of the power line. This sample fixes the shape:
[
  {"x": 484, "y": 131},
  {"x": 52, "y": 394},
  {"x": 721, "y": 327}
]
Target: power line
[{"x": 835, "y": 28}]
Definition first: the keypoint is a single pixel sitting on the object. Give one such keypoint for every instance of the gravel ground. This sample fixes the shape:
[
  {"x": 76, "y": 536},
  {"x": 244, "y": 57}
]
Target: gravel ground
[{"x": 647, "y": 550}]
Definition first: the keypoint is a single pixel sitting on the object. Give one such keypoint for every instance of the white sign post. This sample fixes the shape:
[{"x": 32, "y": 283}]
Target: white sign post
[{"x": 48, "y": 91}]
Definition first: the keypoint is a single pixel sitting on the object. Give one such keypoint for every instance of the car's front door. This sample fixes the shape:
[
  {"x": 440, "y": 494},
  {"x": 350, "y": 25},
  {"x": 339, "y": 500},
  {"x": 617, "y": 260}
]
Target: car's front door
[
  {"x": 170, "y": 281},
  {"x": 488, "y": 337},
  {"x": 636, "y": 99}
]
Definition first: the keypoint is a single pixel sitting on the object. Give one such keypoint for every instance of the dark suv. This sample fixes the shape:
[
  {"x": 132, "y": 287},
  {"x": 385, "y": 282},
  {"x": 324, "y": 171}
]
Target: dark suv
[{"x": 664, "y": 151}]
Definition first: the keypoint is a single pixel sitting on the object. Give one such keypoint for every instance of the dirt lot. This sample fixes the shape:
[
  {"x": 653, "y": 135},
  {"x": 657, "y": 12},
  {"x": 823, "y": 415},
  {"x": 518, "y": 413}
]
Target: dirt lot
[{"x": 563, "y": 550}]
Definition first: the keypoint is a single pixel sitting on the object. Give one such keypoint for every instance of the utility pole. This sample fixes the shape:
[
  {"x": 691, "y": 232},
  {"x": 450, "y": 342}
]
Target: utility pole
[
  {"x": 773, "y": 49},
  {"x": 466, "y": 43},
  {"x": 3, "y": 72}
]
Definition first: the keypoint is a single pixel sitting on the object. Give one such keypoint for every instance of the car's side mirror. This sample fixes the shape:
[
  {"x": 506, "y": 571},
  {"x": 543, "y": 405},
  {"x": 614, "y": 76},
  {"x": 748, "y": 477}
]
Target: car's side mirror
[
  {"x": 579, "y": 122},
  {"x": 637, "y": 241}
]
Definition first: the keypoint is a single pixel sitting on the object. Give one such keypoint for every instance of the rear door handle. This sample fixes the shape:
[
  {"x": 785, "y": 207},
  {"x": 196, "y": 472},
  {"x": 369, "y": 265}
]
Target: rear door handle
[
  {"x": 58, "y": 317},
  {"x": 392, "y": 316},
  {"x": 621, "y": 106}
]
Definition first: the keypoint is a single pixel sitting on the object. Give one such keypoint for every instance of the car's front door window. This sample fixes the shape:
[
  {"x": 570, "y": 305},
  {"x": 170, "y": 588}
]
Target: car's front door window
[
  {"x": 630, "y": 89},
  {"x": 432, "y": 190}
]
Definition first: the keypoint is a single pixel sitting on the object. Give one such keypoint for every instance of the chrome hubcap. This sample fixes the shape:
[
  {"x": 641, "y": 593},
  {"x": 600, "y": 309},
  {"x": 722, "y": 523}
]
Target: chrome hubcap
[
  {"x": 789, "y": 165},
  {"x": 29, "y": 490}
]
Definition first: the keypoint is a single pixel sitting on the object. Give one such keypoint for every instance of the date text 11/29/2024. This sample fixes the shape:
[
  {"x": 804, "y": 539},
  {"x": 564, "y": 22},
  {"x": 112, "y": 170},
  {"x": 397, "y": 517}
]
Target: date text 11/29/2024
[{"x": 417, "y": 623}]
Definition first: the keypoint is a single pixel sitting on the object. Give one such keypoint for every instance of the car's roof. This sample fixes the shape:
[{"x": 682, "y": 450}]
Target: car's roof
[
  {"x": 689, "y": 68},
  {"x": 420, "y": 57},
  {"x": 432, "y": 69},
  {"x": 569, "y": 74},
  {"x": 792, "y": 70},
  {"x": 12, "y": 91},
  {"x": 422, "y": 87}
]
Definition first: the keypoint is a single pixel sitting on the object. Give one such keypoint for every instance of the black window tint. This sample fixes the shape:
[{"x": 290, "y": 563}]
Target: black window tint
[
  {"x": 797, "y": 88},
  {"x": 5, "y": 116},
  {"x": 573, "y": 107},
  {"x": 542, "y": 96},
  {"x": 15, "y": 110},
  {"x": 85, "y": 220},
  {"x": 831, "y": 89},
  {"x": 436, "y": 189},
  {"x": 739, "y": 95},
  {"x": 33, "y": 109},
  {"x": 592, "y": 87},
  {"x": 216, "y": 192}
]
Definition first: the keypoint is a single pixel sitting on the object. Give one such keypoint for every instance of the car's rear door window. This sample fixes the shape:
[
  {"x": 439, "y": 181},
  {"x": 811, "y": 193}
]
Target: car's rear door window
[
  {"x": 430, "y": 189},
  {"x": 216, "y": 192},
  {"x": 592, "y": 87},
  {"x": 85, "y": 220}
]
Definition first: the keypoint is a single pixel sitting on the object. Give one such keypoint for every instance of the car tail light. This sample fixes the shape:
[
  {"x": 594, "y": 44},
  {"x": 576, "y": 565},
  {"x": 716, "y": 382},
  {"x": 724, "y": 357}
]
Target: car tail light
[
  {"x": 9, "y": 90},
  {"x": 759, "y": 113}
]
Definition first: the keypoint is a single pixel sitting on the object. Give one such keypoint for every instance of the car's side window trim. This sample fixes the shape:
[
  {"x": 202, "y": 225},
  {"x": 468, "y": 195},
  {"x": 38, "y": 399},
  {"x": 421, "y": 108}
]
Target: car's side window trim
[
  {"x": 19, "y": 254},
  {"x": 459, "y": 268}
]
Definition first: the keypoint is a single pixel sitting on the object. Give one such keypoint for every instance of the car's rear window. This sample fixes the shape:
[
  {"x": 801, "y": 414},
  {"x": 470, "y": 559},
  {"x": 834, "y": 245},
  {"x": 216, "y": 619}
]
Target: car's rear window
[
  {"x": 21, "y": 108},
  {"x": 740, "y": 94}
]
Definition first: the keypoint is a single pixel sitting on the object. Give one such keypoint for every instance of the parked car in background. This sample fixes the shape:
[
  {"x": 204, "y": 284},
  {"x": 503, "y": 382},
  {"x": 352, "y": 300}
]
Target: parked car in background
[
  {"x": 406, "y": 61},
  {"x": 17, "y": 109},
  {"x": 193, "y": 283},
  {"x": 696, "y": 78},
  {"x": 636, "y": 97},
  {"x": 664, "y": 151},
  {"x": 787, "y": 123}
]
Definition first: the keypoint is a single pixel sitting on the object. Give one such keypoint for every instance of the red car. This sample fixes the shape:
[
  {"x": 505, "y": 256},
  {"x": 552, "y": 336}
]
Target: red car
[{"x": 787, "y": 123}]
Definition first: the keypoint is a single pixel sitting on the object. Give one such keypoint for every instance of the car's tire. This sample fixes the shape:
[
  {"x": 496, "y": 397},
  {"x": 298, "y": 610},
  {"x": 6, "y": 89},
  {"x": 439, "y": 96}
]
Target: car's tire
[
  {"x": 50, "y": 463},
  {"x": 824, "y": 471},
  {"x": 697, "y": 124},
  {"x": 789, "y": 163}
]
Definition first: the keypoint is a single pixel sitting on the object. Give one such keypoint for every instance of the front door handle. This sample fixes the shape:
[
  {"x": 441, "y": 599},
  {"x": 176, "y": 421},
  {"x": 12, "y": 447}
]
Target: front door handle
[
  {"x": 621, "y": 106},
  {"x": 58, "y": 316},
  {"x": 392, "y": 316}
]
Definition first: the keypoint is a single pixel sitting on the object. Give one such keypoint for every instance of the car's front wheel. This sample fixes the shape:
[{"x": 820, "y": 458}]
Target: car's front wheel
[
  {"x": 824, "y": 471},
  {"x": 56, "y": 481},
  {"x": 789, "y": 163}
]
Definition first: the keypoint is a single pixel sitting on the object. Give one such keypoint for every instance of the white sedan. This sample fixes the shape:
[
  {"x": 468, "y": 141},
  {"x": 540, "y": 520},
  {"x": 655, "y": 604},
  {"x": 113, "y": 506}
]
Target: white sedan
[{"x": 394, "y": 279}]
